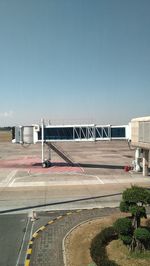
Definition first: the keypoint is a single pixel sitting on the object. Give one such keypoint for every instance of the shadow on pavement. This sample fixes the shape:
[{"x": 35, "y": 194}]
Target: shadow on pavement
[
  {"x": 107, "y": 166},
  {"x": 85, "y": 165},
  {"x": 57, "y": 203}
]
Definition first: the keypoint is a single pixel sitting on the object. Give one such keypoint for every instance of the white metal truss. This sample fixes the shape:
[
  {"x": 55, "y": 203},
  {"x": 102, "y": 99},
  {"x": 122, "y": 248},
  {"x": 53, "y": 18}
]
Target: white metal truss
[
  {"x": 48, "y": 134},
  {"x": 34, "y": 134}
]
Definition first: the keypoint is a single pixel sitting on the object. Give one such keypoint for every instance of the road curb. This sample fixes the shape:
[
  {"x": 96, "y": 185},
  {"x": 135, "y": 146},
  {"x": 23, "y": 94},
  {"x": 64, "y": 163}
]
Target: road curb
[
  {"x": 42, "y": 228},
  {"x": 63, "y": 242}
]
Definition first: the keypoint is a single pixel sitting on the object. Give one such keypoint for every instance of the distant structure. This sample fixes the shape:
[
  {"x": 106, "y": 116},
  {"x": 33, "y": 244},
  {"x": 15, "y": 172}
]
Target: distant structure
[
  {"x": 137, "y": 132},
  {"x": 140, "y": 138},
  {"x": 48, "y": 134}
]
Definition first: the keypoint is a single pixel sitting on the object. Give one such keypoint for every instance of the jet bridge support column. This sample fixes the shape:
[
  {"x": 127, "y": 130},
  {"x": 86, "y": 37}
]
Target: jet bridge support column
[
  {"x": 145, "y": 162},
  {"x": 137, "y": 166}
]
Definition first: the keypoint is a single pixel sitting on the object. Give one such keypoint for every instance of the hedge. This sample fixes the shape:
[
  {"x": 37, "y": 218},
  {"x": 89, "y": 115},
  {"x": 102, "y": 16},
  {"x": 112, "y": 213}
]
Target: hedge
[{"x": 98, "y": 247}]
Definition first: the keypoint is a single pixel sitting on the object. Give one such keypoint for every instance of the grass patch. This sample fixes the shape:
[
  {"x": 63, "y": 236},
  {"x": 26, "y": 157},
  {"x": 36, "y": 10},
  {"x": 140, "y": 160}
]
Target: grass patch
[
  {"x": 83, "y": 235},
  {"x": 119, "y": 253},
  {"x": 141, "y": 255},
  {"x": 5, "y": 136}
]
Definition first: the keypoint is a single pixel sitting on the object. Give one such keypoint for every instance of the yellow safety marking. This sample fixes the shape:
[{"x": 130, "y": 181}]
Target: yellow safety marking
[
  {"x": 27, "y": 263},
  {"x": 35, "y": 234},
  {"x": 59, "y": 217},
  {"x": 29, "y": 251},
  {"x": 50, "y": 222},
  {"x": 69, "y": 213},
  {"x": 42, "y": 228}
]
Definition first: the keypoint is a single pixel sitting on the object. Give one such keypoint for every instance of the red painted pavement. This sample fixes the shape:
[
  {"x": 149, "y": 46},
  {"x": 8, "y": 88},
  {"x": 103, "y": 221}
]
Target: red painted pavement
[{"x": 33, "y": 165}]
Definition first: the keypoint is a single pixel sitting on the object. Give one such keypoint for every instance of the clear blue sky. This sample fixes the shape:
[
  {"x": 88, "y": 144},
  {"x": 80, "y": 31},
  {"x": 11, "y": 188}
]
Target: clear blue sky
[{"x": 74, "y": 60}]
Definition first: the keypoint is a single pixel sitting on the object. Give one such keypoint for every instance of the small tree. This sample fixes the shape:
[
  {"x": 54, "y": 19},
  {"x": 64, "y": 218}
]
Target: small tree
[
  {"x": 142, "y": 236},
  {"x": 134, "y": 201},
  {"x": 123, "y": 226}
]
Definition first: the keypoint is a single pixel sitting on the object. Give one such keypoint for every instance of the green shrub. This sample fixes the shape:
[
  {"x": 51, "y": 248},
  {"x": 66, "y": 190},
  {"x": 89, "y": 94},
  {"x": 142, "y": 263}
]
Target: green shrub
[
  {"x": 97, "y": 249},
  {"x": 123, "y": 226},
  {"x": 142, "y": 234},
  {"x": 138, "y": 211},
  {"x": 124, "y": 206},
  {"x": 126, "y": 239},
  {"x": 136, "y": 194}
]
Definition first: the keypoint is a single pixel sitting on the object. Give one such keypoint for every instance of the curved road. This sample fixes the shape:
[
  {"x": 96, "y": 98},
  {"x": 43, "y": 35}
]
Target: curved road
[{"x": 47, "y": 247}]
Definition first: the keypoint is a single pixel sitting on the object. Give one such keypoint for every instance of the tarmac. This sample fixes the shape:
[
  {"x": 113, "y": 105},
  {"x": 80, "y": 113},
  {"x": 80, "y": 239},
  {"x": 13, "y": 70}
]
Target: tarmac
[
  {"x": 96, "y": 181},
  {"x": 47, "y": 248}
]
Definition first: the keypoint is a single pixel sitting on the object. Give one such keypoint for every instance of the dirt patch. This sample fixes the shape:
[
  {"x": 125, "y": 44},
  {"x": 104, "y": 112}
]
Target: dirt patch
[
  {"x": 77, "y": 244},
  {"x": 78, "y": 241},
  {"x": 125, "y": 258},
  {"x": 5, "y": 136}
]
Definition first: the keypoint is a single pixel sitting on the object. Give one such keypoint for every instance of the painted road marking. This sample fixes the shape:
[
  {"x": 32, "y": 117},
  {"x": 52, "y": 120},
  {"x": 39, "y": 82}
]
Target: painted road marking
[
  {"x": 12, "y": 181},
  {"x": 100, "y": 180},
  {"x": 27, "y": 262},
  {"x": 29, "y": 251},
  {"x": 23, "y": 241},
  {"x": 28, "y": 164},
  {"x": 30, "y": 245},
  {"x": 50, "y": 222},
  {"x": 35, "y": 235},
  {"x": 10, "y": 177},
  {"x": 59, "y": 217},
  {"x": 42, "y": 228}
]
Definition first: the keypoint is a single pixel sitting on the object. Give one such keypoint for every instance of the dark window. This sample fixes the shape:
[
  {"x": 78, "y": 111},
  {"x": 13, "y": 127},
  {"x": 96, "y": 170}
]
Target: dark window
[
  {"x": 83, "y": 133},
  {"x": 118, "y": 132},
  {"x": 57, "y": 133}
]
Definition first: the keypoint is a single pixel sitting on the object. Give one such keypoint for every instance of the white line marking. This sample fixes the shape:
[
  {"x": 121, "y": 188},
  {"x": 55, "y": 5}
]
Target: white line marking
[
  {"x": 23, "y": 240},
  {"x": 11, "y": 183},
  {"x": 31, "y": 233},
  {"x": 100, "y": 180},
  {"x": 10, "y": 177}
]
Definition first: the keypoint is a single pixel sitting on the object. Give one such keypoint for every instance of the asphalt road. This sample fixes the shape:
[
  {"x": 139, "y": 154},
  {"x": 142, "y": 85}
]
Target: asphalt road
[
  {"x": 13, "y": 229},
  {"x": 17, "y": 229},
  {"x": 15, "y": 232}
]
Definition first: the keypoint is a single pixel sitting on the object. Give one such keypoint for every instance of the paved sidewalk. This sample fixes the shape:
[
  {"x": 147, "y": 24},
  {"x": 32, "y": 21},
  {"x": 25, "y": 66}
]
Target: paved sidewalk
[{"x": 47, "y": 247}]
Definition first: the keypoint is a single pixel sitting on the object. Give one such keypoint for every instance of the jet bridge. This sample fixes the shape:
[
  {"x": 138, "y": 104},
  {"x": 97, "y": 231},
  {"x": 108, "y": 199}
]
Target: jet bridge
[
  {"x": 33, "y": 134},
  {"x": 56, "y": 133}
]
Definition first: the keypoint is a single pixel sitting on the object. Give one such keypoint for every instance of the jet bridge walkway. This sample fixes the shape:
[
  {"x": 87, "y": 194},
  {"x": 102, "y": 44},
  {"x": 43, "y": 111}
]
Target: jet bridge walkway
[{"x": 57, "y": 133}]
